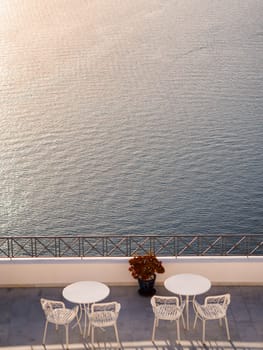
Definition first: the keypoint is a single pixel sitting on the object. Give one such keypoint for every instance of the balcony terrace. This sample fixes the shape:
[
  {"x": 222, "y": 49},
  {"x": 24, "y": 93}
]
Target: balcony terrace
[
  {"x": 31, "y": 268},
  {"x": 22, "y": 322}
]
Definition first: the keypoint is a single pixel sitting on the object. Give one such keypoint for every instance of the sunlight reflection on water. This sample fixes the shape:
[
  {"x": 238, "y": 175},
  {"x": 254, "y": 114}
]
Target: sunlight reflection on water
[{"x": 131, "y": 117}]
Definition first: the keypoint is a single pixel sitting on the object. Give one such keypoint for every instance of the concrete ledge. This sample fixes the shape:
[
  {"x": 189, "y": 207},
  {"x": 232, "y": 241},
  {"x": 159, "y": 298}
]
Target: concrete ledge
[{"x": 56, "y": 272}]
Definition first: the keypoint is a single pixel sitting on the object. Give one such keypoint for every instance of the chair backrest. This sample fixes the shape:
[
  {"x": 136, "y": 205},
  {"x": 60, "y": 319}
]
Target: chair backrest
[
  {"x": 48, "y": 306},
  {"x": 223, "y": 300},
  {"x": 104, "y": 307},
  {"x": 166, "y": 308},
  {"x": 157, "y": 300}
]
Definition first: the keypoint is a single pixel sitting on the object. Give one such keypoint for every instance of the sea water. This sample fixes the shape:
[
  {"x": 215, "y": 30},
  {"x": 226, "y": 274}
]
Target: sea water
[{"x": 131, "y": 117}]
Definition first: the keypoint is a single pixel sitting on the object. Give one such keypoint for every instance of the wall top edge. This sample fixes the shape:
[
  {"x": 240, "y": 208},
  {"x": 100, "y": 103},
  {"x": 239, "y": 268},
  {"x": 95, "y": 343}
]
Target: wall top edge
[{"x": 103, "y": 260}]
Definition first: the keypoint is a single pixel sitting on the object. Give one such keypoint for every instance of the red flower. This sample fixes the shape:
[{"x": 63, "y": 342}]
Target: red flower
[{"x": 145, "y": 266}]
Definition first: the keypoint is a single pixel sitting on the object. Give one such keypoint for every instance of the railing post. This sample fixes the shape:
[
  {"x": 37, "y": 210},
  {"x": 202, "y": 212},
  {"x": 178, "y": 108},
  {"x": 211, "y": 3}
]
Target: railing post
[
  {"x": 128, "y": 246},
  {"x": 11, "y": 248},
  {"x": 33, "y": 245},
  {"x": 81, "y": 247},
  {"x": 57, "y": 247},
  {"x": 104, "y": 247}
]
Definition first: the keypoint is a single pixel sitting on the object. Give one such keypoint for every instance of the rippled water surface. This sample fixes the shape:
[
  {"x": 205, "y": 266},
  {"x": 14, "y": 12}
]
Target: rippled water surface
[{"x": 120, "y": 116}]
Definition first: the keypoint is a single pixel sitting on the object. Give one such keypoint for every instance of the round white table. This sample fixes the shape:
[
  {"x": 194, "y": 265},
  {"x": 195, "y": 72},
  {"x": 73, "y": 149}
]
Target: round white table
[
  {"x": 187, "y": 284},
  {"x": 85, "y": 293}
]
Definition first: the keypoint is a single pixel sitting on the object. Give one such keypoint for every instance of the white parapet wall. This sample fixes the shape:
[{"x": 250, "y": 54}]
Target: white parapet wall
[{"x": 37, "y": 272}]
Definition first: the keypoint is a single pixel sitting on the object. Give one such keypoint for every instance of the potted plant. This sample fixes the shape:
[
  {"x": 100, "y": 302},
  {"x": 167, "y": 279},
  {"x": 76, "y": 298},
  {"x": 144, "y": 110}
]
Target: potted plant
[{"x": 144, "y": 269}]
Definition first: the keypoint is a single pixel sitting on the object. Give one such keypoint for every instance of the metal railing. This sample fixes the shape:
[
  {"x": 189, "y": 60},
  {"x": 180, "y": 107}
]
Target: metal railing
[{"x": 129, "y": 245}]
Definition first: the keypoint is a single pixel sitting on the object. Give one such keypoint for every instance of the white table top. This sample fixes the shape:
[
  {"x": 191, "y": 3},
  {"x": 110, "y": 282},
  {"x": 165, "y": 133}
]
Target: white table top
[
  {"x": 187, "y": 284},
  {"x": 86, "y": 292}
]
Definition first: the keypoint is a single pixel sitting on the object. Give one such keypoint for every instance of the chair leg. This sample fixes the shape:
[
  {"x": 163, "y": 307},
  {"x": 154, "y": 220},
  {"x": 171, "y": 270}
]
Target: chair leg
[
  {"x": 195, "y": 321},
  {"x": 117, "y": 334},
  {"x": 154, "y": 328},
  {"x": 89, "y": 329},
  {"x": 45, "y": 333},
  {"x": 67, "y": 340},
  {"x": 92, "y": 337},
  {"x": 178, "y": 330},
  {"x": 227, "y": 329},
  {"x": 183, "y": 321},
  {"x": 203, "y": 337}
]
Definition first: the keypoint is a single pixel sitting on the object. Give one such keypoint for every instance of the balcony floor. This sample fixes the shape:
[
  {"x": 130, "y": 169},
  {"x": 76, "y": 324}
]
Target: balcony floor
[{"x": 22, "y": 322}]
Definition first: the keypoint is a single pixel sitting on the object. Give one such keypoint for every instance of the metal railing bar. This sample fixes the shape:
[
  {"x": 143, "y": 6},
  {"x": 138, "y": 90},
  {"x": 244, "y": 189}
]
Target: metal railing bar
[{"x": 127, "y": 245}]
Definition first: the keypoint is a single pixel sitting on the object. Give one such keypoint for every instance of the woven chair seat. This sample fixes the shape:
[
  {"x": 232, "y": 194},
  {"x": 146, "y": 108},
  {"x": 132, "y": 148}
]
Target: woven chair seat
[
  {"x": 211, "y": 311},
  {"x": 61, "y": 316},
  {"x": 103, "y": 318},
  {"x": 167, "y": 312}
]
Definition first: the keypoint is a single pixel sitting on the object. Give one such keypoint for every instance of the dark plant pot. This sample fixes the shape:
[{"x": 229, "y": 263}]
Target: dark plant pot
[{"x": 147, "y": 286}]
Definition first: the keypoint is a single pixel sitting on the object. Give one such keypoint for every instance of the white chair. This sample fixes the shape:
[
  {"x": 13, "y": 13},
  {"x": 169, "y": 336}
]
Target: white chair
[
  {"x": 167, "y": 308},
  {"x": 58, "y": 314},
  {"x": 104, "y": 315},
  {"x": 214, "y": 308}
]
